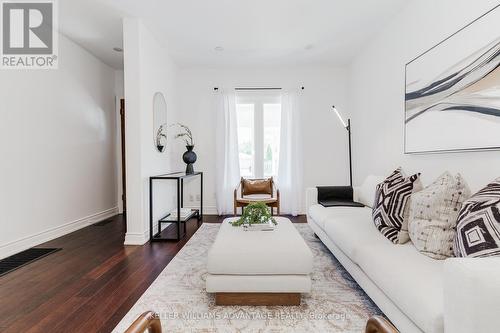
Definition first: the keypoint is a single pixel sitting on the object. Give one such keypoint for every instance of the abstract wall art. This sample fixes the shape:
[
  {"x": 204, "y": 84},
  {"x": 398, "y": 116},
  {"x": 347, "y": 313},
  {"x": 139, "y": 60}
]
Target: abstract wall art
[{"x": 452, "y": 95}]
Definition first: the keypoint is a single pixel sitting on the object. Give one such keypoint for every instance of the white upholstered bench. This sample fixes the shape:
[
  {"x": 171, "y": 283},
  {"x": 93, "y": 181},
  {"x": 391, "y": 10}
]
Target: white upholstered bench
[{"x": 259, "y": 267}]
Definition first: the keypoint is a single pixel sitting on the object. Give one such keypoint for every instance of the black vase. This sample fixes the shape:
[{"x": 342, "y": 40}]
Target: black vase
[{"x": 189, "y": 157}]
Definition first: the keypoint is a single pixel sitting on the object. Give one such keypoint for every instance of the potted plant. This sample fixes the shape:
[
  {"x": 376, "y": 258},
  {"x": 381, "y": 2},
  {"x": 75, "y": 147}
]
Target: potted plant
[{"x": 256, "y": 214}]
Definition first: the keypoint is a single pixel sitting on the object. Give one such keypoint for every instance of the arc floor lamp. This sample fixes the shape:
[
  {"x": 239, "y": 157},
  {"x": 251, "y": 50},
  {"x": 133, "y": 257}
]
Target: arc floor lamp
[{"x": 347, "y": 126}]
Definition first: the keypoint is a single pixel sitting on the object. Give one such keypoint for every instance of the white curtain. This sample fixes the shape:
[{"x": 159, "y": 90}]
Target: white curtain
[
  {"x": 227, "y": 159},
  {"x": 290, "y": 166}
]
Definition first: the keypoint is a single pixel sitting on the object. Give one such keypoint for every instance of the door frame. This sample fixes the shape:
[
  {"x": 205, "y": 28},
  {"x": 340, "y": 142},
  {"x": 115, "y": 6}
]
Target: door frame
[{"x": 122, "y": 143}]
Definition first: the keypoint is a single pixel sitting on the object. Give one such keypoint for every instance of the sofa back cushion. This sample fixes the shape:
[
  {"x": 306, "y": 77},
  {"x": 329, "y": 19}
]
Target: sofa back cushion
[
  {"x": 433, "y": 215},
  {"x": 391, "y": 206},
  {"x": 478, "y": 225},
  {"x": 366, "y": 192}
]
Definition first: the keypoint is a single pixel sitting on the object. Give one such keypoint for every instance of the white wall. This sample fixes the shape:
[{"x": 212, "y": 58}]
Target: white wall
[
  {"x": 376, "y": 94},
  {"x": 325, "y": 140},
  {"x": 57, "y": 146},
  {"x": 148, "y": 69}
]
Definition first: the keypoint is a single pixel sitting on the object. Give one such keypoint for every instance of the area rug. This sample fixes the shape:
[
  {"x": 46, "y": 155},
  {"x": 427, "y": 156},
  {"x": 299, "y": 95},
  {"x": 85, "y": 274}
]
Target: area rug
[{"x": 336, "y": 303}]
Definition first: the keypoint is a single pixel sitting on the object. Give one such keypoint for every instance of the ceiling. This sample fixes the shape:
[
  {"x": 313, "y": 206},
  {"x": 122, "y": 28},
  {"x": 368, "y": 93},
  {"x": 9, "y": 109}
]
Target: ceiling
[{"x": 251, "y": 33}]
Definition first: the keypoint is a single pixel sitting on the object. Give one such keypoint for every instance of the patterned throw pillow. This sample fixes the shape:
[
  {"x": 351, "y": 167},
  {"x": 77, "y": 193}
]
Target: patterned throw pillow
[
  {"x": 433, "y": 215},
  {"x": 478, "y": 225},
  {"x": 391, "y": 206}
]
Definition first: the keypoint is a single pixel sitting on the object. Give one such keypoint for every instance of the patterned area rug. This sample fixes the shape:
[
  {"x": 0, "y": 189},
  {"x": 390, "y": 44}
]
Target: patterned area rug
[{"x": 336, "y": 304}]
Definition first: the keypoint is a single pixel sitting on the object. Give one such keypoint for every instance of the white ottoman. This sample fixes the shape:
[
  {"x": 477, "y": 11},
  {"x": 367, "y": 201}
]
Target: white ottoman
[{"x": 259, "y": 267}]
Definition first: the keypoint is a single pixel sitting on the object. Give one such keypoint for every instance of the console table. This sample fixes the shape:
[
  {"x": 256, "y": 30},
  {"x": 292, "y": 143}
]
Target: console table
[{"x": 198, "y": 213}]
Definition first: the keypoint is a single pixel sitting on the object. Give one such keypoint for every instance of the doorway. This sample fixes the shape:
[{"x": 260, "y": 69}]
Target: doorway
[{"x": 122, "y": 136}]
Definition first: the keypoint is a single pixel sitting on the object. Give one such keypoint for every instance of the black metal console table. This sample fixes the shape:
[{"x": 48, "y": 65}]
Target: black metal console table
[{"x": 198, "y": 213}]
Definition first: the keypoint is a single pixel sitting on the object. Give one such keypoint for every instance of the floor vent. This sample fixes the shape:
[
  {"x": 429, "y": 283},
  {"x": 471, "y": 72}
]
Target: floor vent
[
  {"x": 21, "y": 259},
  {"x": 102, "y": 223}
]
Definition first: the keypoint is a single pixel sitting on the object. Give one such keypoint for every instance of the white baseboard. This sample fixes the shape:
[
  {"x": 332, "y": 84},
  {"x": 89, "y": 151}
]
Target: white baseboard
[
  {"x": 24, "y": 243},
  {"x": 136, "y": 238}
]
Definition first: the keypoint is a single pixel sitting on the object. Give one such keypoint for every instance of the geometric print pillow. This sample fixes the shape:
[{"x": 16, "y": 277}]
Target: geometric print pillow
[
  {"x": 391, "y": 207},
  {"x": 478, "y": 225}
]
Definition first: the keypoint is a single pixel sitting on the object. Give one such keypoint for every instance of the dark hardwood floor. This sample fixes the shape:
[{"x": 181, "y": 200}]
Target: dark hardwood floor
[{"x": 90, "y": 284}]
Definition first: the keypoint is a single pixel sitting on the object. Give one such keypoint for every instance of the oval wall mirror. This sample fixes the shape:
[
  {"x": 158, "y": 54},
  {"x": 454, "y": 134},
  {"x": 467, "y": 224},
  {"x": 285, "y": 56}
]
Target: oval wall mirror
[{"x": 160, "y": 122}]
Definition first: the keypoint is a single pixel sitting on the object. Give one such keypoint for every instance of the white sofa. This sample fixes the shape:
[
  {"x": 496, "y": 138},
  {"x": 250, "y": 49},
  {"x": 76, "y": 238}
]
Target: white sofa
[{"x": 417, "y": 293}]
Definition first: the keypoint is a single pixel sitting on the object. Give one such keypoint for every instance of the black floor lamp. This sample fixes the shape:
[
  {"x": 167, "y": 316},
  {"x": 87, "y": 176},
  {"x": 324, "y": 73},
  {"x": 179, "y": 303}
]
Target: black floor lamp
[{"x": 347, "y": 126}]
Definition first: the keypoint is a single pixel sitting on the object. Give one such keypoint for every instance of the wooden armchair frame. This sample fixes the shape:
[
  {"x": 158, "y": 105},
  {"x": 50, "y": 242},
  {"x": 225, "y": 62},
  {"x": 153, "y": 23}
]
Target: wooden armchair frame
[
  {"x": 149, "y": 321},
  {"x": 378, "y": 324},
  {"x": 273, "y": 202}
]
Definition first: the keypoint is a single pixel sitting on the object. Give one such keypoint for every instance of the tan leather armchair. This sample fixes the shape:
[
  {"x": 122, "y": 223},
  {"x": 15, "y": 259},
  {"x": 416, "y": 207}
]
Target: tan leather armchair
[{"x": 257, "y": 190}]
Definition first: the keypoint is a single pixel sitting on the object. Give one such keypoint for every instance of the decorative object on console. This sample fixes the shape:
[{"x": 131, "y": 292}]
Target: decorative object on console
[
  {"x": 189, "y": 157},
  {"x": 185, "y": 134},
  {"x": 331, "y": 196},
  {"x": 347, "y": 126},
  {"x": 433, "y": 215},
  {"x": 256, "y": 214},
  {"x": 478, "y": 225},
  {"x": 184, "y": 213},
  {"x": 159, "y": 121},
  {"x": 452, "y": 101},
  {"x": 391, "y": 206}
]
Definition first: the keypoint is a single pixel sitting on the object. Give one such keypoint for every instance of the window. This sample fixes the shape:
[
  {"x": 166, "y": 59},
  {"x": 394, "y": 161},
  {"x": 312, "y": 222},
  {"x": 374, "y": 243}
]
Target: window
[{"x": 259, "y": 120}]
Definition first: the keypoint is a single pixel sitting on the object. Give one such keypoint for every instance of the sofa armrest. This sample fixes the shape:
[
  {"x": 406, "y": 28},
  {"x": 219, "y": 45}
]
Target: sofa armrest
[
  {"x": 311, "y": 198},
  {"x": 471, "y": 295}
]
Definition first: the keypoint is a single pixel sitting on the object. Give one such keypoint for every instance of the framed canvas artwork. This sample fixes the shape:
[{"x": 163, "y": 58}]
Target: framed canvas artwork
[{"x": 452, "y": 95}]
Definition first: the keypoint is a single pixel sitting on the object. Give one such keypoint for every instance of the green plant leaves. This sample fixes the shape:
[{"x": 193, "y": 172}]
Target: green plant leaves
[{"x": 255, "y": 213}]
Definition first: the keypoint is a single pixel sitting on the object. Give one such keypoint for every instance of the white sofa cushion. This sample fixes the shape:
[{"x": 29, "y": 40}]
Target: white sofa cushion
[
  {"x": 351, "y": 229},
  {"x": 410, "y": 279},
  {"x": 366, "y": 192},
  {"x": 321, "y": 214},
  {"x": 240, "y": 252},
  {"x": 318, "y": 214}
]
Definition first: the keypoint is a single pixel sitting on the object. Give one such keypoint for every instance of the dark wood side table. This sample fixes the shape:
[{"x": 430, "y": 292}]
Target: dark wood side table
[{"x": 198, "y": 213}]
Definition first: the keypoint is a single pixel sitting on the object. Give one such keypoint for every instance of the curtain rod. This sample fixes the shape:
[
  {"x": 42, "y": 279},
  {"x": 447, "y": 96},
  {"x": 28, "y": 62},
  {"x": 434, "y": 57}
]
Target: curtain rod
[
  {"x": 217, "y": 88},
  {"x": 257, "y": 88}
]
